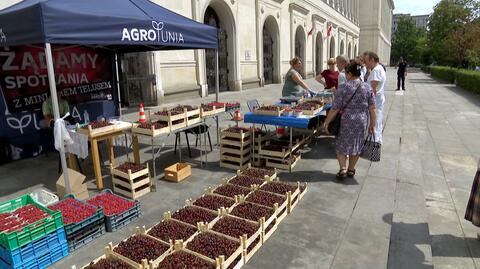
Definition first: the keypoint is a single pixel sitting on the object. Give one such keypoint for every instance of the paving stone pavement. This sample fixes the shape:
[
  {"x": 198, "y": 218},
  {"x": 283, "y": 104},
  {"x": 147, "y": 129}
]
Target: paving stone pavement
[{"x": 403, "y": 212}]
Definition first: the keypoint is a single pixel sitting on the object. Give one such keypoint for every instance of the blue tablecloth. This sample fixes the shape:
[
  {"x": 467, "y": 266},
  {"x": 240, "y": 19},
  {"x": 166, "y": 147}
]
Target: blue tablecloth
[{"x": 301, "y": 122}]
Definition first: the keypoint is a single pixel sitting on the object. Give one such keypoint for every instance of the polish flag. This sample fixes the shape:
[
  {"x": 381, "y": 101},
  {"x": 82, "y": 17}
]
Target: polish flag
[{"x": 329, "y": 30}]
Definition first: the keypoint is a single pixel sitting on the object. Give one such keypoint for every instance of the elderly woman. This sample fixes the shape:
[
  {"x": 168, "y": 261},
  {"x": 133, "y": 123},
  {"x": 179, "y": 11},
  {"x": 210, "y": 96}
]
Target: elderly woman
[
  {"x": 294, "y": 84},
  {"x": 356, "y": 103},
  {"x": 329, "y": 77}
]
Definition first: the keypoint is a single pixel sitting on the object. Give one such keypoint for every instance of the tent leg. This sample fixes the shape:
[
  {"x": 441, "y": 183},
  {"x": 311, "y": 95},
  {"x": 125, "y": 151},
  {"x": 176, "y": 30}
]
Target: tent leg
[
  {"x": 117, "y": 76},
  {"x": 217, "y": 87},
  {"x": 56, "y": 112}
]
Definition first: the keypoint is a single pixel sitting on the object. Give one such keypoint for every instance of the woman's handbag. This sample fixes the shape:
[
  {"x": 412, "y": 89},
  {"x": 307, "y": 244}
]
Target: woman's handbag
[
  {"x": 334, "y": 126},
  {"x": 371, "y": 149}
]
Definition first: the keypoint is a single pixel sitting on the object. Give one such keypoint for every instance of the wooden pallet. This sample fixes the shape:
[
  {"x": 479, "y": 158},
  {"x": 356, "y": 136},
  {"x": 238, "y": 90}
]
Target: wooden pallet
[
  {"x": 132, "y": 185},
  {"x": 145, "y": 264}
]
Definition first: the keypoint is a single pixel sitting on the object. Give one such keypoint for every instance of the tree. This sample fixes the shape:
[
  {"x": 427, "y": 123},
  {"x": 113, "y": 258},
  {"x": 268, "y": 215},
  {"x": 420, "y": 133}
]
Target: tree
[
  {"x": 451, "y": 26},
  {"x": 404, "y": 40}
]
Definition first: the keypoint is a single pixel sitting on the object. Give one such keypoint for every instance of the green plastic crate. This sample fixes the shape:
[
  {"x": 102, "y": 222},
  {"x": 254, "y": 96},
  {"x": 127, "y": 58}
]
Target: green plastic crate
[{"x": 31, "y": 232}]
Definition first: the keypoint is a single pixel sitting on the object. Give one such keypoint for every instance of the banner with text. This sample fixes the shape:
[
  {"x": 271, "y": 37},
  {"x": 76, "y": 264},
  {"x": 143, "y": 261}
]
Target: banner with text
[{"x": 82, "y": 74}]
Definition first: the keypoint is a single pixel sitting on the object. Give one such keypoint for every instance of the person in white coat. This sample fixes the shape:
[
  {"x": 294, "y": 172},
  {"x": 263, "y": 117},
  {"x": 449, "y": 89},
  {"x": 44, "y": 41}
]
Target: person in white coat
[{"x": 377, "y": 79}]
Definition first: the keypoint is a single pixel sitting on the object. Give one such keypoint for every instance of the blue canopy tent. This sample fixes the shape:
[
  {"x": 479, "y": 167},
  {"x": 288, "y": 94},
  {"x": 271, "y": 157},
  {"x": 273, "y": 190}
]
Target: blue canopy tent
[{"x": 119, "y": 25}]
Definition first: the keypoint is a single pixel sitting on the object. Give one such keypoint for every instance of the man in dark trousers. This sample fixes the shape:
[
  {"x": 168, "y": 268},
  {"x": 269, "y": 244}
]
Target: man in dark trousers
[{"x": 401, "y": 73}]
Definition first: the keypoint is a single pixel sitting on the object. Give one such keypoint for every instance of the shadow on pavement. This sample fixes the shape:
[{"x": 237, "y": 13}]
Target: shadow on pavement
[{"x": 315, "y": 176}]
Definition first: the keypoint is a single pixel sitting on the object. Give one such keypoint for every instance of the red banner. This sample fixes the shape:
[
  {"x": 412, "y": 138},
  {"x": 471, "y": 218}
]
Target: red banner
[{"x": 82, "y": 74}]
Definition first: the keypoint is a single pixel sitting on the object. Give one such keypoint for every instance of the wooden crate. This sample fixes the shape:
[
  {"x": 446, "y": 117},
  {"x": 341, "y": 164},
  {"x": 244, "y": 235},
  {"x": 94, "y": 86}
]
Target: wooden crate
[
  {"x": 281, "y": 209},
  {"x": 214, "y": 111},
  {"x": 132, "y": 185},
  {"x": 168, "y": 217},
  {"x": 89, "y": 131},
  {"x": 105, "y": 256},
  {"x": 145, "y": 264},
  {"x": 233, "y": 165},
  {"x": 280, "y": 164},
  {"x": 180, "y": 247},
  {"x": 291, "y": 196},
  {"x": 178, "y": 124},
  {"x": 267, "y": 178},
  {"x": 178, "y": 172},
  {"x": 241, "y": 136},
  {"x": 150, "y": 132},
  {"x": 193, "y": 120},
  {"x": 226, "y": 156},
  {"x": 190, "y": 202},
  {"x": 277, "y": 113},
  {"x": 235, "y": 150},
  {"x": 221, "y": 261},
  {"x": 246, "y": 241},
  {"x": 169, "y": 117},
  {"x": 278, "y": 154}
]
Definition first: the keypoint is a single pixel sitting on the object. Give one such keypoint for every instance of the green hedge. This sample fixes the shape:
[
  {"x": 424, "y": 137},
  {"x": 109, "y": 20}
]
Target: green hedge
[
  {"x": 443, "y": 72},
  {"x": 466, "y": 79},
  {"x": 469, "y": 80},
  {"x": 425, "y": 68}
]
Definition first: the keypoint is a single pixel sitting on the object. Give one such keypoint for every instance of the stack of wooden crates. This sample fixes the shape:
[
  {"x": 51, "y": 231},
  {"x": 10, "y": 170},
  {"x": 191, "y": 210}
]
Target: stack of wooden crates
[{"x": 235, "y": 147}]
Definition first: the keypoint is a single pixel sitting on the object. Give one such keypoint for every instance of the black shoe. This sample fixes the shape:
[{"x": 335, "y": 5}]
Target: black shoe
[
  {"x": 403, "y": 89},
  {"x": 397, "y": 89}
]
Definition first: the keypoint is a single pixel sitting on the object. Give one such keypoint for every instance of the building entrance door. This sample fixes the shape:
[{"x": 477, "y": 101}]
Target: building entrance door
[
  {"x": 267, "y": 57},
  {"x": 211, "y": 18}
]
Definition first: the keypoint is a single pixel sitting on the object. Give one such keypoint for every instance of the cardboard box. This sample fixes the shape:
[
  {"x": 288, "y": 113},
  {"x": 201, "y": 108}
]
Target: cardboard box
[{"x": 77, "y": 185}]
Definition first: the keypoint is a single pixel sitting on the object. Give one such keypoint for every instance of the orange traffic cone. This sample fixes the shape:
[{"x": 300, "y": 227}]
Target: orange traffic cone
[
  {"x": 141, "y": 114},
  {"x": 237, "y": 116}
]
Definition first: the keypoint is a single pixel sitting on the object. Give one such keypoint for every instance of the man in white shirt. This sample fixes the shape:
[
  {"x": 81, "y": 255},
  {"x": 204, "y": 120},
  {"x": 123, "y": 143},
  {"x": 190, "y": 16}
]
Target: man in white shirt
[
  {"x": 342, "y": 62},
  {"x": 377, "y": 79}
]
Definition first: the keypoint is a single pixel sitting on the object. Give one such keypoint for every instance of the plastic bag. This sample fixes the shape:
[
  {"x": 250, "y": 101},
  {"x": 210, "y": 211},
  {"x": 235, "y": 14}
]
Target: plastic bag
[{"x": 60, "y": 132}]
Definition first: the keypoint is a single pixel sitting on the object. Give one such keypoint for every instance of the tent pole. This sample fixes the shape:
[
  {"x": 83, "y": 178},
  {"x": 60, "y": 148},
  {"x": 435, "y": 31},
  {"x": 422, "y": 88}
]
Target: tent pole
[
  {"x": 56, "y": 112},
  {"x": 217, "y": 90},
  {"x": 118, "y": 85},
  {"x": 217, "y": 79}
]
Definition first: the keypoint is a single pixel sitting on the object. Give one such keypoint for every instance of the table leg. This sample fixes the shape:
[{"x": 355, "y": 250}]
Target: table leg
[
  {"x": 136, "y": 149},
  {"x": 111, "y": 152},
  {"x": 153, "y": 160},
  {"x": 291, "y": 152},
  {"x": 96, "y": 164}
]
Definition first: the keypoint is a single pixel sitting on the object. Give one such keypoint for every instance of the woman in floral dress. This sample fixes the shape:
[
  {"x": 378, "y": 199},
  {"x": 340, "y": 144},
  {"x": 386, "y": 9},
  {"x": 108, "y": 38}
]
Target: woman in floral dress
[{"x": 356, "y": 102}]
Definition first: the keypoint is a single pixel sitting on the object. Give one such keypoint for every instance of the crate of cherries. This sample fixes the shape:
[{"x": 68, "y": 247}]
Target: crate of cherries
[
  {"x": 77, "y": 214},
  {"x": 118, "y": 211},
  {"x": 151, "y": 128},
  {"x": 170, "y": 230},
  {"x": 141, "y": 249},
  {"x": 107, "y": 263},
  {"x": 22, "y": 220}
]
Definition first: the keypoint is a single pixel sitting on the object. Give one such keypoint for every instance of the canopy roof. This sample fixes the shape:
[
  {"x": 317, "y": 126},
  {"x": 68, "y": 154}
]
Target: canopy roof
[{"x": 123, "y": 25}]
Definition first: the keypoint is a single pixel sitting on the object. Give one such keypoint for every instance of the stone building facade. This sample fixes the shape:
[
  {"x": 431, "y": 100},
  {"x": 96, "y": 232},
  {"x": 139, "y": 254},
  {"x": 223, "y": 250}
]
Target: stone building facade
[
  {"x": 257, "y": 38},
  {"x": 376, "y": 27}
]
